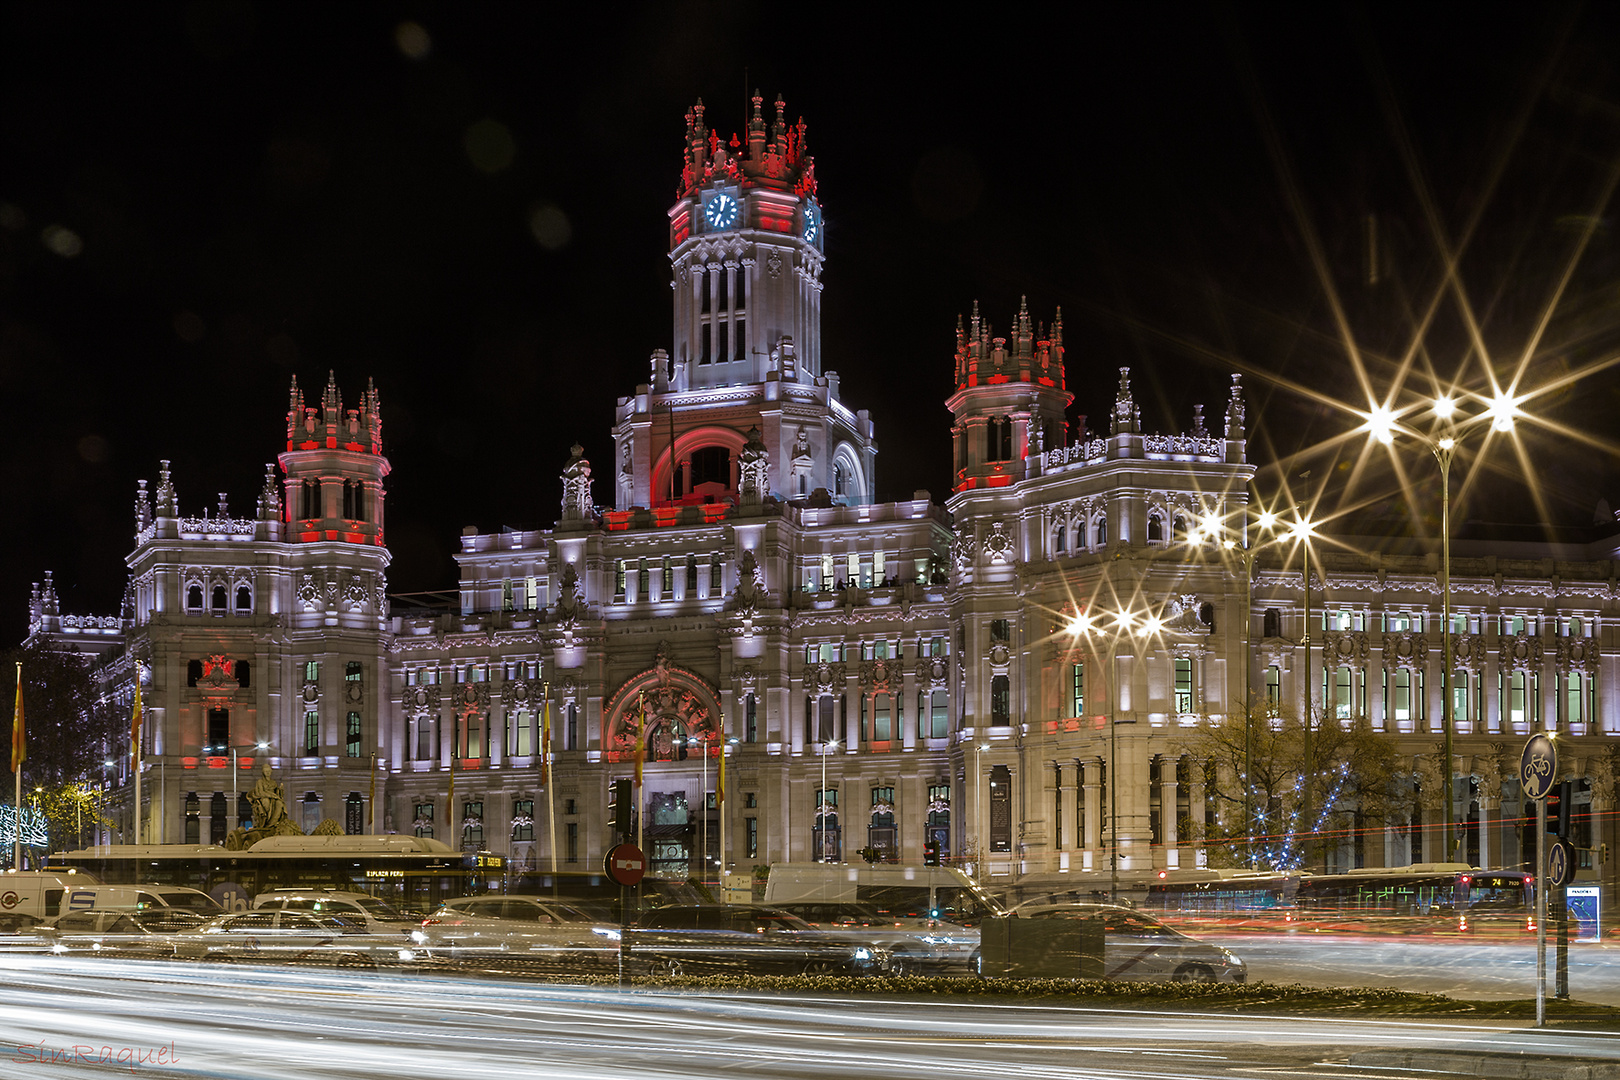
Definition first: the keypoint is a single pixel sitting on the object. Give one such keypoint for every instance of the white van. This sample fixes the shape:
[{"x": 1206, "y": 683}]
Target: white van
[
  {"x": 85, "y": 895},
  {"x": 939, "y": 905},
  {"x": 40, "y": 893}
]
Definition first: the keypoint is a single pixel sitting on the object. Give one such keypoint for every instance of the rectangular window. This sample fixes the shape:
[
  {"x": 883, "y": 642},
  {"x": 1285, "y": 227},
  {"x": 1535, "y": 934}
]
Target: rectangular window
[
  {"x": 508, "y": 601},
  {"x": 352, "y": 671},
  {"x": 531, "y": 594},
  {"x": 424, "y": 738},
  {"x": 1184, "y": 685},
  {"x": 1077, "y": 690},
  {"x": 424, "y": 819},
  {"x": 1000, "y": 632},
  {"x": 522, "y": 819},
  {"x": 351, "y": 741},
  {"x": 571, "y": 840},
  {"x": 312, "y": 734},
  {"x": 939, "y": 722},
  {"x": 751, "y": 837},
  {"x": 691, "y": 576},
  {"x": 618, "y": 579},
  {"x": 1575, "y": 697},
  {"x": 523, "y": 734},
  {"x": 880, "y": 718},
  {"x": 714, "y": 575},
  {"x": 1000, "y": 701},
  {"x": 852, "y": 567},
  {"x": 1273, "y": 686},
  {"x": 474, "y": 745},
  {"x": 878, "y": 576},
  {"x": 750, "y": 720},
  {"x": 312, "y": 671},
  {"x": 827, "y": 573}
]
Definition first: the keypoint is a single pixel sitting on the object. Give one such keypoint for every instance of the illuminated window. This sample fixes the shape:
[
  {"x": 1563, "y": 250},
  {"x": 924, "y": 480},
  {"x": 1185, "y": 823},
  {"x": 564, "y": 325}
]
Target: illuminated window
[
  {"x": 750, "y": 720},
  {"x": 312, "y": 733},
  {"x": 618, "y": 579},
  {"x": 1077, "y": 690},
  {"x": 1184, "y": 685},
  {"x": 522, "y": 819},
  {"x": 1273, "y": 685},
  {"x": 351, "y": 745}
]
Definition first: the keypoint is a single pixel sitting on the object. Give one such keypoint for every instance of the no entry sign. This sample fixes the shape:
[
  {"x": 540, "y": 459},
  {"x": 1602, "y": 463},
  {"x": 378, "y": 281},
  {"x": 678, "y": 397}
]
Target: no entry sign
[{"x": 625, "y": 864}]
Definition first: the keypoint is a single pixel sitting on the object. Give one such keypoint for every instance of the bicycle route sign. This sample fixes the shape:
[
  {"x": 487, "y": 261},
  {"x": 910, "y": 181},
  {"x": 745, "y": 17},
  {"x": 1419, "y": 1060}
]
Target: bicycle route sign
[{"x": 1538, "y": 767}]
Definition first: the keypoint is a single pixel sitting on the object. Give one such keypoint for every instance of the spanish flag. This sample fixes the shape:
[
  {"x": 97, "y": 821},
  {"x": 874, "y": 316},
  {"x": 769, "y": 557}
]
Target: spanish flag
[
  {"x": 19, "y": 743},
  {"x": 545, "y": 745},
  {"x": 641, "y": 739},
  {"x": 135, "y": 719}
]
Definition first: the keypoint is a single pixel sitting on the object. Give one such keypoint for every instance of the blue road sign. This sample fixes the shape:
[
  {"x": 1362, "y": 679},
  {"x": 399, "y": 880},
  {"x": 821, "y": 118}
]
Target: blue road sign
[
  {"x": 1538, "y": 766},
  {"x": 1560, "y": 864}
]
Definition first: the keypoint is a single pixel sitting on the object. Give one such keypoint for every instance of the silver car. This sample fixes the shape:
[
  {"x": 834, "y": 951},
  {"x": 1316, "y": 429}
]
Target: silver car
[
  {"x": 1140, "y": 948},
  {"x": 295, "y": 937},
  {"x": 522, "y": 931},
  {"x": 915, "y": 944}
]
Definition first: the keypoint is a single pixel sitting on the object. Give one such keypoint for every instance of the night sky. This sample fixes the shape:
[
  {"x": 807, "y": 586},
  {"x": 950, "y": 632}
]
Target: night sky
[{"x": 467, "y": 203}]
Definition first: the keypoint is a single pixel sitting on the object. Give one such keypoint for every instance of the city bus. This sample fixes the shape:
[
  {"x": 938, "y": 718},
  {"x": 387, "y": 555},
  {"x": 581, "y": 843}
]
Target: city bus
[
  {"x": 1426, "y": 898},
  {"x": 413, "y": 873}
]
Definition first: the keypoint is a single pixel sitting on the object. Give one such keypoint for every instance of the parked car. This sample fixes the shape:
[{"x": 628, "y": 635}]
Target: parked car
[
  {"x": 1139, "y": 948},
  {"x": 746, "y": 937},
  {"x": 271, "y": 936},
  {"x": 914, "y": 944},
  {"x": 150, "y": 933},
  {"x": 520, "y": 930}
]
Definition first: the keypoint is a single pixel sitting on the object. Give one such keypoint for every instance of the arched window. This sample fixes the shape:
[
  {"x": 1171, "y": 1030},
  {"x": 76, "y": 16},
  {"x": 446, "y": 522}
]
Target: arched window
[
  {"x": 219, "y": 598},
  {"x": 1183, "y": 528},
  {"x": 194, "y": 598},
  {"x": 311, "y": 499},
  {"x": 1273, "y": 623},
  {"x": 1155, "y": 532},
  {"x": 244, "y": 676},
  {"x": 1101, "y": 532},
  {"x": 244, "y": 599},
  {"x": 1058, "y": 539},
  {"x": 710, "y": 465}
]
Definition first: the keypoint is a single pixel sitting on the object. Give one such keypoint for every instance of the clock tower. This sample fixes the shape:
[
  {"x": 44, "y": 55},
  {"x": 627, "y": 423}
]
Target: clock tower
[{"x": 744, "y": 369}]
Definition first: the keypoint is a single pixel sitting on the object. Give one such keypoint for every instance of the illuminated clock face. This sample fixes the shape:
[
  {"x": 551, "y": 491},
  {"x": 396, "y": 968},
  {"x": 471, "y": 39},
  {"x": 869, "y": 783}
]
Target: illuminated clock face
[
  {"x": 721, "y": 211},
  {"x": 812, "y": 224}
]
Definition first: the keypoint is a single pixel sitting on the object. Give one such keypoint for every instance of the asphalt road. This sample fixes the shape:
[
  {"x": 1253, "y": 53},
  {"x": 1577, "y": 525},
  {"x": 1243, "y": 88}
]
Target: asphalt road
[
  {"x": 1469, "y": 969},
  {"x": 68, "y": 1017}
]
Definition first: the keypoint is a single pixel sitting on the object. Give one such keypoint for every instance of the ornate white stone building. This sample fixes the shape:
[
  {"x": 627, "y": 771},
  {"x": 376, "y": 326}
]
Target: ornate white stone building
[{"x": 891, "y": 676}]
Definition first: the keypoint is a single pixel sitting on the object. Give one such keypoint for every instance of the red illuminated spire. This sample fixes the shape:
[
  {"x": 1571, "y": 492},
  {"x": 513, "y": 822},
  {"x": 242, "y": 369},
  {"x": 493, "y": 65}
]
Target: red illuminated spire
[{"x": 781, "y": 162}]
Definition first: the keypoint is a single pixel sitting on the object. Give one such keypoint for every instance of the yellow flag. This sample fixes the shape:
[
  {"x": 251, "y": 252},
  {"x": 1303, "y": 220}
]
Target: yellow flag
[
  {"x": 641, "y": 739},
  {"x": 19, "y": 742}
]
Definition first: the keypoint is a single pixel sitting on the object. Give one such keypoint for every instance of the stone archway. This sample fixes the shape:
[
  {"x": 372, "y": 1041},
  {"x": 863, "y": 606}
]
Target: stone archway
[{"x": 677, "y": 704}]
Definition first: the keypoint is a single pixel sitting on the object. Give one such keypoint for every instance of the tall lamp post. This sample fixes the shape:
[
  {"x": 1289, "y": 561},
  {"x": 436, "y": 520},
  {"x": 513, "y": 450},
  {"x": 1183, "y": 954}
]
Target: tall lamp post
[
  {"x": 978, "y": 808},
  {"x": 1383, "y": 424},
  {"x": 1301, "y": 531}
]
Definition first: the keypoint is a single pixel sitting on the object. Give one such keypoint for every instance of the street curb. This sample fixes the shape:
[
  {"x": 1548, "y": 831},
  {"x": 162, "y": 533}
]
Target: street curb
[{"x": 1488, "y": 1065}]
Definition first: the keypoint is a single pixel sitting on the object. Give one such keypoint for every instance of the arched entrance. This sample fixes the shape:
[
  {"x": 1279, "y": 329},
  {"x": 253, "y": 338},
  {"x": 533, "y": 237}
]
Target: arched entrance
[{"x": 673, "y": 714}]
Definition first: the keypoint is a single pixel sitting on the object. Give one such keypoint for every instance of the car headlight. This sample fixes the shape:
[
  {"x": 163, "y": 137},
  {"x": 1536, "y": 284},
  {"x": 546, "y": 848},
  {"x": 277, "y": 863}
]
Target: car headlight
[
  {"x": 1235, "y": 961},
  {"x": 607, "y": 932},
  {"x": 863, "y": 954},
  {"x": 419, "y": 937}
]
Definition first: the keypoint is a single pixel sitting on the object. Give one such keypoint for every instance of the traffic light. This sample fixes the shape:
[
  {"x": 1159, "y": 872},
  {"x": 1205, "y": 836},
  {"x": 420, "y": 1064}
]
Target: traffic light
[
  {"x": 1558, "y": 800},
  {"x": 930, "y": 854},
  {"x": 622, "y": 818},
  {"x": 1566, "y": 803}
]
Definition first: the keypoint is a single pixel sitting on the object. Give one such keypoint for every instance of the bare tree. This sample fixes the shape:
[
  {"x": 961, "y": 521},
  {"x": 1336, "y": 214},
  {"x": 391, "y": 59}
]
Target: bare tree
[{"x": 1353, "y": 775}]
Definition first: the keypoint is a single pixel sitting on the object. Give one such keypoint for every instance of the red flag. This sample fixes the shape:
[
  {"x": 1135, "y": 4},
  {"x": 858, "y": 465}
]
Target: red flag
[
  {"x": 19, "y": 742},
  {"x": 545, "y": 745},
  {"x": 135, "y": 719}
]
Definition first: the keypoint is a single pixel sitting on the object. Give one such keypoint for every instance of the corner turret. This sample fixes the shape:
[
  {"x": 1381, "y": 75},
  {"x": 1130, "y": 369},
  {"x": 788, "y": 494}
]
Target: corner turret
[{"x": 334, "y": 468}]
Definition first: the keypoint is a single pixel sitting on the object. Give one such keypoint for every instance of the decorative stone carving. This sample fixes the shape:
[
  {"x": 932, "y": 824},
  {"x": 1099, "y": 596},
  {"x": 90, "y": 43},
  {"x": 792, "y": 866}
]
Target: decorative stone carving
[
  {"x": 826, "y": 677},
  {"x": 1345, "y": 648},
  {"x": 577, "y": 502},
  {"x": 420, "y": 699},
  {"x": 876, "y": 675},
  {"x": 750, "y": 589},
  {"x": 932, "y": 671},
  {"x": 963, "y": 550},
  {"x": 747, "y": 679},
  {"x": 471, "y": 697},
  {"x": 1520, "y": 652},
  {"x": 1406, "y": 650},
  {"x": 998, "y": 545},
  {"x": 753, "y": 470},
  {"x": 568, "y": 597},
  {"x": 1577, "y": 654},
  {"x": 1468, "y": 651}
]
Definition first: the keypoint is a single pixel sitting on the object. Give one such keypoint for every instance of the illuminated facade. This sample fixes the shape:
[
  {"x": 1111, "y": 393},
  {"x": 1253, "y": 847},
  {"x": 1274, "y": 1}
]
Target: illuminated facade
[{"x": 745, "y": 592}]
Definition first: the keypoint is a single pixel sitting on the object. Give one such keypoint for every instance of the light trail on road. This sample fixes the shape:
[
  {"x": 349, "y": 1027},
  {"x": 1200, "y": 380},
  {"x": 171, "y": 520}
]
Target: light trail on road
[{"x": 302, "y": 1024}]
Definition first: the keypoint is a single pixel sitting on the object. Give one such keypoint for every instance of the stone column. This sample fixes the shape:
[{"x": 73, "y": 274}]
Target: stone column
[
  {"x": 1167, "y": 810},
  {"x": 1091, "y": 791},
  {"x": 1195, "y": 814},
  {"x": 1490, "y": 814},
  {"x": 908, "y": 696}
]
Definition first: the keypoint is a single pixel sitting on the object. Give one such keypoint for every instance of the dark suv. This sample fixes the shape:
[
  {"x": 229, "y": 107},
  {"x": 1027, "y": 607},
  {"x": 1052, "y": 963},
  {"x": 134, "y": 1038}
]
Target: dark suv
[{"x": 746, "y": 938}]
